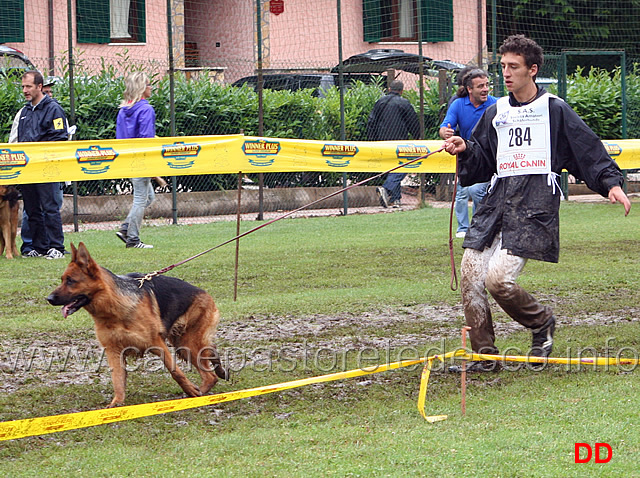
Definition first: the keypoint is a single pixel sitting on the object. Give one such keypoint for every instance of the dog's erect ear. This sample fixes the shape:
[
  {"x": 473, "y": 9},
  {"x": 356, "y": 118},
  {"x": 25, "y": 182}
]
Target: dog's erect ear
[{"x": 83, "y": 259}]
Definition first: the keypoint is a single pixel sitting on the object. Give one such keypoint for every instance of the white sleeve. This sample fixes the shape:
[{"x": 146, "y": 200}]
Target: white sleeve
[{"x": 13, "y": 136}]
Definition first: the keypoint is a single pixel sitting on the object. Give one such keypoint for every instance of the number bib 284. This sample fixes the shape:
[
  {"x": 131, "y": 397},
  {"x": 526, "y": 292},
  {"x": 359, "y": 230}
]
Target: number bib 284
[{"x": 524, "y": 139}]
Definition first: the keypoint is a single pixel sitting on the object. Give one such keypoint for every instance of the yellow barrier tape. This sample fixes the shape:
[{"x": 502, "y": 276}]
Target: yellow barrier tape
[
  {"x": 22, "y": 163},
  {"x": 424, "y": 381},
  {"x": 57, "y": 423},
  {"x": 71, "y": 421},
  {"x": 462, "y": 354}
]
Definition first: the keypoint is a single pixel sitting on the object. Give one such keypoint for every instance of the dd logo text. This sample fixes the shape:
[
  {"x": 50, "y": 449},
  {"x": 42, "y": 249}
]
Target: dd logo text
[{"x": 588, "y": 453}]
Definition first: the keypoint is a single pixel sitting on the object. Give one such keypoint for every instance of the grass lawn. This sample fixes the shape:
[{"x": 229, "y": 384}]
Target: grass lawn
[{"x": 322, "y": 295}]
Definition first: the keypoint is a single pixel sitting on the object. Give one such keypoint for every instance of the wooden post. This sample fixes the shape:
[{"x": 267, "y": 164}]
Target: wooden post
[{"x": 463, "y": 375}]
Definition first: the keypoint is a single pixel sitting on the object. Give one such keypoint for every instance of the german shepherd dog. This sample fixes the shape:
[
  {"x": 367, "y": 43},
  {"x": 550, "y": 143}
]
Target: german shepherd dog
[
  {"x": 133, "y": 316},
  {"x": 9, "y": 196}
]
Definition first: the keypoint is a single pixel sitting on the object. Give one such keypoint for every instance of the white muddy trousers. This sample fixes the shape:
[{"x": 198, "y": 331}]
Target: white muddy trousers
[{"x": 495, "y": 270}]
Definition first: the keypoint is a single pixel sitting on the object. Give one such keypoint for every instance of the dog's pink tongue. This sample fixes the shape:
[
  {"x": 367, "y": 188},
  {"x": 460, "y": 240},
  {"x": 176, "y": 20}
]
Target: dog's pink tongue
[{"x": 65, "y": 311}]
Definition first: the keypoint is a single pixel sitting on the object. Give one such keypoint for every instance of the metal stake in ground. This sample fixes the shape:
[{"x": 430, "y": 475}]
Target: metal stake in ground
[{"x": 463, "y": 375}]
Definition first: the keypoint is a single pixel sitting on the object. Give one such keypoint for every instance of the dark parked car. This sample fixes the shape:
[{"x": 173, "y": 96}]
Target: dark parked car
[
  {"x": 382, "y": 59},
  {"x": 319, "y": 82},
  {"x": 367, "y": 67}
]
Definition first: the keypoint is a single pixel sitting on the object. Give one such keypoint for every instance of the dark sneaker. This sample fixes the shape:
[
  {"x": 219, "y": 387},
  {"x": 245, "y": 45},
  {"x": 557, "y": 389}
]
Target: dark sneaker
[
  {"x": 477, "y": 366},
  {"x": 542, "y": 342},
  {"x": 383, "y": 196},
  {"x": 122, "y": 235},
  {"x": 140, "y": 245},
  {"x": 32, "y": 253},
  {"x": 54, "y": 254}
]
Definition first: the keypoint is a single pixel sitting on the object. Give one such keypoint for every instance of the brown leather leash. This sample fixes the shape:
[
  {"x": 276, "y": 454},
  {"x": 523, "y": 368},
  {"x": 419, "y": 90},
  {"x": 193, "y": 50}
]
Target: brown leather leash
[
  {"x": 151, "y": 275},
  {"x": 454, "y": 275}
]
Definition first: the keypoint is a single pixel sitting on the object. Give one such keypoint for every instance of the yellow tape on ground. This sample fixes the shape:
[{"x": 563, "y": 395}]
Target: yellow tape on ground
[
  {"x": 424, "y": 381},
  {"x": 57, "y": 423},
  {"x": 71, "y": 421},
  {"x": 461, "y": 354}
]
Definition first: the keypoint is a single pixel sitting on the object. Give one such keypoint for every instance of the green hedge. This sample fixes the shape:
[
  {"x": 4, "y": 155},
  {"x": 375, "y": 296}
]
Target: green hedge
[{"x": 203, "y": 107}]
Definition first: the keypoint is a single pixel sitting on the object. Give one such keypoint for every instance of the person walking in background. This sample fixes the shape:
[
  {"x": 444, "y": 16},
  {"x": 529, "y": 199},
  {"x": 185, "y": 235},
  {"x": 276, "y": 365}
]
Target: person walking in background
[
  {"x": 522, "y": 143},
  {"x": 41, "y": 119},
  {"x": 136, "y": 119},
  {"x": 472, "y": 100},
  {"x": 392, "y": 119}
]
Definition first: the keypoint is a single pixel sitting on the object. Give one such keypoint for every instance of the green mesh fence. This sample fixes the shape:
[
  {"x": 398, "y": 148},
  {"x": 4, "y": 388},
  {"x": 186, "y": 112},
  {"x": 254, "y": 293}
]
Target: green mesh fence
[{"x": 275, "y": 69}]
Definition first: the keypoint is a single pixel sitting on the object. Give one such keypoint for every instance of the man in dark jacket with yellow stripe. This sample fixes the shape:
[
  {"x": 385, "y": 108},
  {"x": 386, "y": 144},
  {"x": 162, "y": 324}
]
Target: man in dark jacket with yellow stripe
[{"x": 42, "y": 119}]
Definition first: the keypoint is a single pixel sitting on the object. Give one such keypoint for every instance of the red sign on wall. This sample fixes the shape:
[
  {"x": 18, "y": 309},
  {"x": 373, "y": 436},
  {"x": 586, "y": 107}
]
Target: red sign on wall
[{"x": 276, "y": 6}]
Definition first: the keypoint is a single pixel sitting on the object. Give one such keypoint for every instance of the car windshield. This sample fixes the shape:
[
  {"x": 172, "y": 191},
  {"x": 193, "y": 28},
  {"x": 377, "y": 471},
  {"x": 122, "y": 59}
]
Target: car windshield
[
  {"x": 8, "y": 61},
  {"x": 13, "y": 67}
]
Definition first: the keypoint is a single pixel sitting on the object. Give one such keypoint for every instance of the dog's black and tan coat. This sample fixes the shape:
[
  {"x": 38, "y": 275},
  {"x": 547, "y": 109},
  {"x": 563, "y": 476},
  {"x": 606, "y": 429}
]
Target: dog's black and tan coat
[
  {"x": 132, "y": 320},
  {"x": 9, "y": 196}
]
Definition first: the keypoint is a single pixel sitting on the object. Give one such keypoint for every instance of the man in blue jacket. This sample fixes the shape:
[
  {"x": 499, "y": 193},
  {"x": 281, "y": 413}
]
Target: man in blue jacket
[
  {"x": 41, "y": 119},
  {"x": 472, "y": 101}
]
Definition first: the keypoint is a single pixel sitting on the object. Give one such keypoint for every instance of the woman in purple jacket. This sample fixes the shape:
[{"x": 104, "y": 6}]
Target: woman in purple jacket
[{"x": 136, "y": 119}]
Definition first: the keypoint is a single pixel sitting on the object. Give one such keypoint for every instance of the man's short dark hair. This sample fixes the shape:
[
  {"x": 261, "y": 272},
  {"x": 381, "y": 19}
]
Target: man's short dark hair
[
  {"x": 37, "y": 76},
  {"x": 396, "y": 85},
  {"x": 521, "y": 45}
]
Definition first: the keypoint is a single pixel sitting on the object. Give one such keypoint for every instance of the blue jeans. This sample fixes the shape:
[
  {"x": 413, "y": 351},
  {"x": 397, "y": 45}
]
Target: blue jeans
[
  {"x": 143, "y": 196},
  {"x": 476, "y": 193},
  {"x": 392, "y": 185}
]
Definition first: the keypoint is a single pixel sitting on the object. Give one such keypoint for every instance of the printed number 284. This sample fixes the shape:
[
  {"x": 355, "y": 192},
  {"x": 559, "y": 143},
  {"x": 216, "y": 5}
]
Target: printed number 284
[{"x": 519, "y": 136}]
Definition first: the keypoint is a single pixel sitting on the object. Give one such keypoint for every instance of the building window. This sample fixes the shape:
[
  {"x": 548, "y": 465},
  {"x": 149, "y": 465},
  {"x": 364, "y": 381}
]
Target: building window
[
  {"x": 12, "y": 21},
  {"x": 99, "y": 21},
  {"x": 397, "y": 20}
]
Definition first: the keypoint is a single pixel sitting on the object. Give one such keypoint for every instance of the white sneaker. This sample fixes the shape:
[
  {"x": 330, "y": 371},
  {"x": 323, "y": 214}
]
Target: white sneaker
[
  {"x": 54, "y": 254},
  {"x": 461, "y": 234},
  {"x": 32, "y": 253},
  {"x": 140, "y": 245},
  {"x": 383, "y": 196}
]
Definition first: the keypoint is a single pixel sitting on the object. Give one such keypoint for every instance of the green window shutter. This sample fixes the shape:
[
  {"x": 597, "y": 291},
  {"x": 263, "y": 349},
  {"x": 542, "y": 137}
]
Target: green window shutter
[
  {"x": 92, "y": 21},
  {"x": 371, "y": 20},
  {"x": 437, "y": 20},
  {"x": 12, "y": 21},
  {"x": 141, "y": 21}
]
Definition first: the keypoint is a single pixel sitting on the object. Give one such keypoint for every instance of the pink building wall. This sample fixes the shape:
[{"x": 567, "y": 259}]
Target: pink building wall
[
  {"x": 36, "y": 45},
  {"x": 306, "y": 35},
  {"x": 303, "y": 37},
  {"x": 314, "y": 26}
]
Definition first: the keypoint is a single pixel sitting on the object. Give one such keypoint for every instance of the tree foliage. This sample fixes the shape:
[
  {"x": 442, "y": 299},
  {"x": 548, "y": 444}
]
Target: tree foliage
[{"x": 572, "y": 24}]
